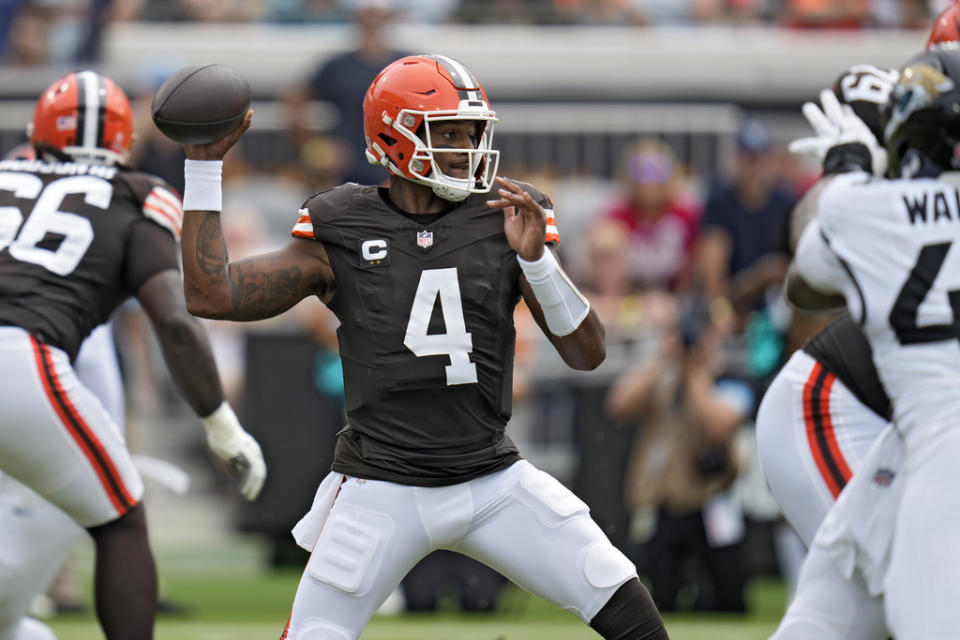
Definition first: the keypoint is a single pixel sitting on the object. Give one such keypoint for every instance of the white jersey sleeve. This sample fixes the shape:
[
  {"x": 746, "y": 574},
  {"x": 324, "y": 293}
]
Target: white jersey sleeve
[{"x": 818, "y": 265}]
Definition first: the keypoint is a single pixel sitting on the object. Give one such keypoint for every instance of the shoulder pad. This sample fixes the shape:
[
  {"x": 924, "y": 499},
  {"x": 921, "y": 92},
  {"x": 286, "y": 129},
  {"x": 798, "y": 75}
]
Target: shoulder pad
[
  {"x": 317, "y": 206},
  {"x": 328, "y": 206},
  {"x": 158, "y": 201},
  {"x": 843, "y": 199}
]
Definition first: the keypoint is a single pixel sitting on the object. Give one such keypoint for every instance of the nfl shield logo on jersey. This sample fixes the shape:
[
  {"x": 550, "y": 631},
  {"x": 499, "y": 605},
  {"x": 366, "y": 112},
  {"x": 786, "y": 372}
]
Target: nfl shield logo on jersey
[
  {"x": 424, "y": 239},
  {"x": 883, "y": 477}
]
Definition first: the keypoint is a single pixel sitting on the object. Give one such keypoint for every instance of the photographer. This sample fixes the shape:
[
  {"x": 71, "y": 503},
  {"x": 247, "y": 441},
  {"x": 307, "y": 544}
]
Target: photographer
[{"x": 682, "y": 465}]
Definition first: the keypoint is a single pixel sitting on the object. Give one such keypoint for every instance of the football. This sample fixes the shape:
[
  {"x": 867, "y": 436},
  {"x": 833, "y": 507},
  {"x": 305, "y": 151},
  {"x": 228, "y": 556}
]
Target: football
[{"x": 201, "y": 103}]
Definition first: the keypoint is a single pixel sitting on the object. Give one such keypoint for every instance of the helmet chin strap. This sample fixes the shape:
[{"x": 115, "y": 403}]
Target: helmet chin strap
[
  {"x": 449, "y": 188},
  {"x": 449, "y": 193}
]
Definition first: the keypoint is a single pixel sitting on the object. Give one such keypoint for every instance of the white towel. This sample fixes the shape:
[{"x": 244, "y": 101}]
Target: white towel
[
  {"x": 858, "y": 530},
  {"x": 307, "y": 531}
]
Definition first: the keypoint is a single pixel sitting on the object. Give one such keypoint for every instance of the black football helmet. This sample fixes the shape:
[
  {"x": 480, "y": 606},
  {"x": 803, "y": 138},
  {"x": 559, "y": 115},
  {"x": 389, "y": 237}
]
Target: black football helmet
[{"x": 922, "y": 119}]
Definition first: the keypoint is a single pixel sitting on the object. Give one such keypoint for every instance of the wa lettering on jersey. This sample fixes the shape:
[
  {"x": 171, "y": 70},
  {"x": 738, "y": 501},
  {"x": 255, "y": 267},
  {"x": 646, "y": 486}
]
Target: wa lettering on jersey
[
  {"x": 63, "y": 242},
  {"x": 891, "y": 247},
  {"x": 426, "y": 334}
]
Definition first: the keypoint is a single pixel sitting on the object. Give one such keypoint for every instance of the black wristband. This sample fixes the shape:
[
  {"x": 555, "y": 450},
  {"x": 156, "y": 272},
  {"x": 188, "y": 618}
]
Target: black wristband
[{"x": 844, "y": 158}]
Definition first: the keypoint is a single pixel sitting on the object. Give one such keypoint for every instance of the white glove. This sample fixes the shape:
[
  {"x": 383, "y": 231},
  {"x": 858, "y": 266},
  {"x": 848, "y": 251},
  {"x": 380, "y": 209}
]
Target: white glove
[
  {"x": 237, "y": 448},
  {"x": 834, "y": 125}
]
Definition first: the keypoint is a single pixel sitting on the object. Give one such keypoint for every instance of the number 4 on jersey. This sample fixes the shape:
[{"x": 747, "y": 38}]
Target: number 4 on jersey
[
  {"x": 456, "y": 342},
  {"x": 903, "y": 315}
]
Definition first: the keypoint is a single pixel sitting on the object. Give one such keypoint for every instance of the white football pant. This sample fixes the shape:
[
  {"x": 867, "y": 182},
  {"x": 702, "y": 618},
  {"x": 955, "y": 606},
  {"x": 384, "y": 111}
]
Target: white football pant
[
  {"x": 827, "y": 606},
  {"x": 812, "y": 434},
  {"x": 35, "y": 536},
  {"x": 57, "y": 438},
  {"x": 520, "y": 521},
  {"x": 922, "y": 585}
]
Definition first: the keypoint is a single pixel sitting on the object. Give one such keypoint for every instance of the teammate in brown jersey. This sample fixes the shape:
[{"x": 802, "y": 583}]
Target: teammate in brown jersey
[
  {"x": 79, "y": 234},
  {"x": 424, "y": 275}
]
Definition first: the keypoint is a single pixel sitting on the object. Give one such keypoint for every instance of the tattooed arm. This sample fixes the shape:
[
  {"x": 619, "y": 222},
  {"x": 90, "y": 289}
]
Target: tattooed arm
[{"x": 253, "y": 288}]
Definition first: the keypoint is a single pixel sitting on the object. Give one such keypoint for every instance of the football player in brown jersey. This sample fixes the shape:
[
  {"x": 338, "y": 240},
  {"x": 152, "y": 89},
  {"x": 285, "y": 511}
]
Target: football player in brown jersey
[
  {"x": 79, "y": 234},
  {"x": 424, "y": 275}
]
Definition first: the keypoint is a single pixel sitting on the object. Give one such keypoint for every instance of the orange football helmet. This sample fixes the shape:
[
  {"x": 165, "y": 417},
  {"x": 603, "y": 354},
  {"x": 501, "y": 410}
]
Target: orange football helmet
[
  {"x": 85, "y": 115},
  {"x": 403, "y": 101},
  {"x": 946, "y": 28}
]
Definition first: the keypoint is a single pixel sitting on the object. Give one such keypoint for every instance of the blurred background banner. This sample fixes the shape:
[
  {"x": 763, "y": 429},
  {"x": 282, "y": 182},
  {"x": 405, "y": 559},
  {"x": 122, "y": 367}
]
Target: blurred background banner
[{"x": 659, "y": 130}]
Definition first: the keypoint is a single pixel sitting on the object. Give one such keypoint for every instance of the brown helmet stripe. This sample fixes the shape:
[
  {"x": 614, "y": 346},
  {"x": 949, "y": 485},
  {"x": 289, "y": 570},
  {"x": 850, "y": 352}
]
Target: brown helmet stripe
[{"x": 466, "y": 83}]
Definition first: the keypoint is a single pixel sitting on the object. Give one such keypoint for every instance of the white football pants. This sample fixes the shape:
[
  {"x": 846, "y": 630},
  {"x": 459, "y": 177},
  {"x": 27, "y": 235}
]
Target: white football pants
[
  {"x": 520, "y": 521},
  {"x": 57, "y": 438},
  {"x": 840, "y": 587},
  {"x": 922, "y": 585},
  {"x": 827, "y": 606},
  {"x": 812, "y": 434},
  {"x": 35, "y": 536}
]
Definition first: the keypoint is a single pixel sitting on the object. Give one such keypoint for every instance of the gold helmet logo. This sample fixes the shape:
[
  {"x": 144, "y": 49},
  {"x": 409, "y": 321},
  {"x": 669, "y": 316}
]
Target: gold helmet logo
[{"x": 920, "y": 84}]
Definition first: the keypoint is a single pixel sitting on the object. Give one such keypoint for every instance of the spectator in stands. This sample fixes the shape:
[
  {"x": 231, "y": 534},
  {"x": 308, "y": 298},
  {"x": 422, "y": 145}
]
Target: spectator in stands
[
  {"x": 598, "y": 11},
  {"x": 342, "y": 82},
  {"x": 608, "y": 283},
  {"x": 506, "y": 12},
  {"x": 742, "y": 253},
  {"x": 662, "y": 226},
  {"x": 660, "y": 12},
  {"x": 827, "y": 14},
  {"x": 222, "y": 10},
  {"x": 626, "y": 312},
  {"x": 687, "y": 410},
  {"x": 742, "y": 245},
  {"x": 27, "y": 36}
]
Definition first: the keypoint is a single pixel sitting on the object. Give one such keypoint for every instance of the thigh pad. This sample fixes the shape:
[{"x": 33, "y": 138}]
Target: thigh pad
[
  {"x": 552, "y": 502},
  {"x": 350, "y": 548}
]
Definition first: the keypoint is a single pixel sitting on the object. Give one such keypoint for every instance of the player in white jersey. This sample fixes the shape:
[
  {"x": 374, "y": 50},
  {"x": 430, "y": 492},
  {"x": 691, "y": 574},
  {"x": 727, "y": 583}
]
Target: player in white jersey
[
  {"x": 827, "y": 406},
  {"x": 884, "y": 247}
]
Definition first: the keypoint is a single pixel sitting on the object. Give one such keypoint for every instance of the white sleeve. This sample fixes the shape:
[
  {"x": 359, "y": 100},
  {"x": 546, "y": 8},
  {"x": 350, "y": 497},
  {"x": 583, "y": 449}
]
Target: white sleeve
[{"x": 817, "y": 264}]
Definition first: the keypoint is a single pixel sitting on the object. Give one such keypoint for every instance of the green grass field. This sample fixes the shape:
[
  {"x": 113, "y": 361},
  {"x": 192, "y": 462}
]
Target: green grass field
[{"x": 230, "y": 597}]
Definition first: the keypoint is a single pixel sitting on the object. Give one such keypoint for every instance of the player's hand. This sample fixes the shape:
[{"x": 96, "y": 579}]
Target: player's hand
[
  {"x": 217, "y": 149},
  {"x": 836, "y": 124},
  {"x": 237, "y": 449},
  {"x": 524, "y": 221}
]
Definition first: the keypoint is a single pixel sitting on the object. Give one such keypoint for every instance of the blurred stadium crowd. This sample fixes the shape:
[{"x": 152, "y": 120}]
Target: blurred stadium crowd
[
  {"x": 682, "y": 259},
  {"x": 65, "y": 16}
]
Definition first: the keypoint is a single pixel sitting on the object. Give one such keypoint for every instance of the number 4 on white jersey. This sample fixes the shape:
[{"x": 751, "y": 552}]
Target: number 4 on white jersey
[{"x": 456, "y": 342}]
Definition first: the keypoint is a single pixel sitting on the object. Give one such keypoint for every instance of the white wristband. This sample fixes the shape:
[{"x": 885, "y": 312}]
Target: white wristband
[
  {"x": 222, "y": 423},
  {"x": 201, "y": 189},
  {"x": 564, "y": 308}
]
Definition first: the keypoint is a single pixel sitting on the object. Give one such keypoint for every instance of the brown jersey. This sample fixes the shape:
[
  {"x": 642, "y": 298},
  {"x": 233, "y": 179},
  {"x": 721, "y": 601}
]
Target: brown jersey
[
  {"x": 76, "y": 240},
  {"x": 843, "y": 349},
  {"x": 426, "y": 335}
]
